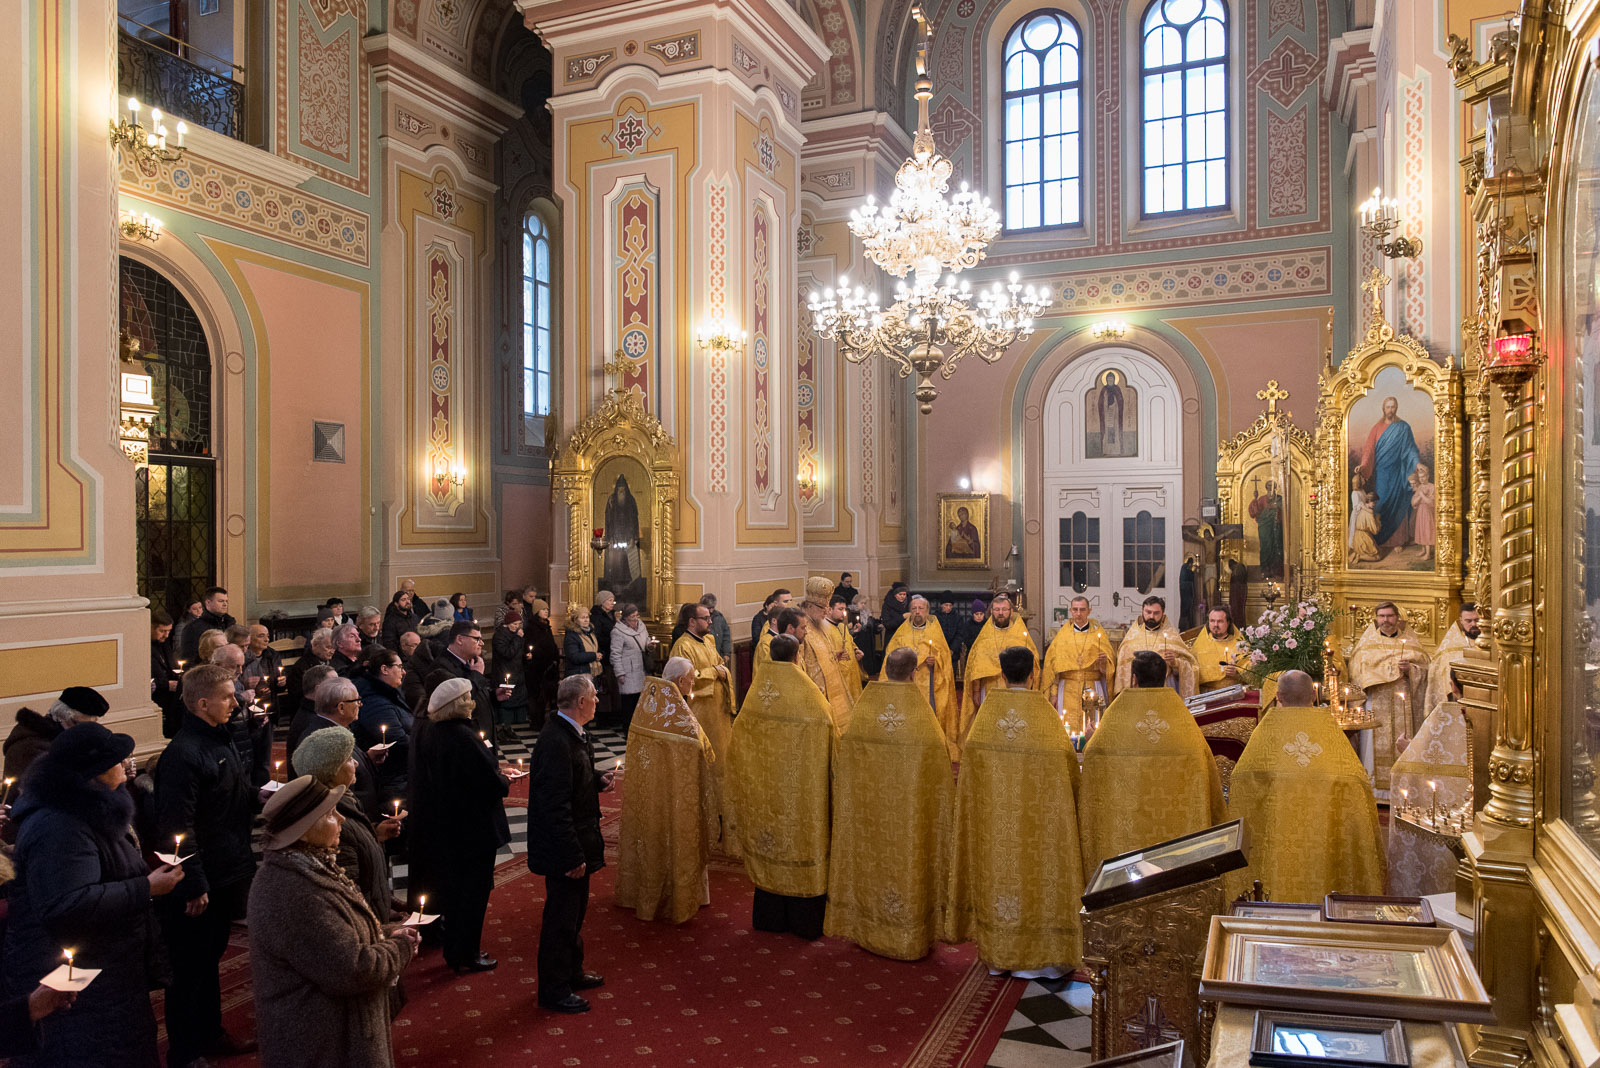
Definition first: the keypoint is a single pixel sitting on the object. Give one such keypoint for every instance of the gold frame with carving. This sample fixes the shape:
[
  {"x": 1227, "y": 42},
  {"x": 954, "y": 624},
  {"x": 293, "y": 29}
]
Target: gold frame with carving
[
  {"x": 1427, "y": 600},
  {"x": 1246, "y": 452},
  {"x": 620, "y": 428}
]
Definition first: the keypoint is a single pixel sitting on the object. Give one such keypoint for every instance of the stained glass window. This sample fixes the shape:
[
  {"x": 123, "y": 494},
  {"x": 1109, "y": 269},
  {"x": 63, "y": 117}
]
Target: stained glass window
[
  {"x": 1043, "y": 123},
  {"x": 537, "y": 346},
  {"x": 1185, "y": 63}
]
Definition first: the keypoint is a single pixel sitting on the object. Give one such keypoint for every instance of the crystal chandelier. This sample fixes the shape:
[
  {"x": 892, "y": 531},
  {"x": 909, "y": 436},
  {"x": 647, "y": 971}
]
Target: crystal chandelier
[{"x": 935, "y": 321}]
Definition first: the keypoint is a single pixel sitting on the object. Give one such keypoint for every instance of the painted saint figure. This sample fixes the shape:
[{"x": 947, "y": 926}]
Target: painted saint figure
[
  {"x": 1267, "y": 511},
  {"x": 963, "y": 542},
  {"x": 1388, "y": 460},
  {"x": 622, "y": 565}
]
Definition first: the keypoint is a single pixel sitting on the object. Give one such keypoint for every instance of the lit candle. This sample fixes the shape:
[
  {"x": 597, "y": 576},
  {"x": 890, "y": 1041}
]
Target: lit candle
[
  {"x": 1433, "y": 810},
  {"x": 177, "y": 845},
  {"x": 68, "y": 954},
  {"x": 7, "y": 792},
  {"x": 276, "y": 766},
  {"x": 1404, "y": 794},
  {"x": 422, "y": 904},
  {"x": 383, "y": 732},
  {"x": 397, "y": 808}
]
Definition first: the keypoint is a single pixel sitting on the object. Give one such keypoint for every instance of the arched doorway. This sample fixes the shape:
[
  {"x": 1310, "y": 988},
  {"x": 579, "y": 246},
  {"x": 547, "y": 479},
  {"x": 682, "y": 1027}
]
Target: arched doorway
[
  {"x": 176, "y": 492},
  {"x": 1113, "y": 484}
]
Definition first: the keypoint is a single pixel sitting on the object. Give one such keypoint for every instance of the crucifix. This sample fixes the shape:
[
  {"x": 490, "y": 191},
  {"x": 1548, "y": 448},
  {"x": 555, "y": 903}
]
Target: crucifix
[
  {"x": 1375, "y": 284},
  {"x": 1272, "y": 395}
]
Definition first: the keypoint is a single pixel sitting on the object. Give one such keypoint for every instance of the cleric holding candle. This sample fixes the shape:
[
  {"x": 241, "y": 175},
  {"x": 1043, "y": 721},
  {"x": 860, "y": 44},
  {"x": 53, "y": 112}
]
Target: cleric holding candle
[{"x": 82, "y": 884}]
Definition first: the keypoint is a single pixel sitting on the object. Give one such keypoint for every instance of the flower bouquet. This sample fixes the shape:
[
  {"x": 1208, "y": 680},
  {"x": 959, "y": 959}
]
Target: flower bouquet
[{"x": 1289, "y": 638}]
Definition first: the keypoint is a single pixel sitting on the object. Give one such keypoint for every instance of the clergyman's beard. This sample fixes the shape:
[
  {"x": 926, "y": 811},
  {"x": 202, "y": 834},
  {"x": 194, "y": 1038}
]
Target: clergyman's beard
[
  {"x": 1002, "y": 624},
  {"x": 1152, "y": 624},
  {"x": 1473, "y": 633}
]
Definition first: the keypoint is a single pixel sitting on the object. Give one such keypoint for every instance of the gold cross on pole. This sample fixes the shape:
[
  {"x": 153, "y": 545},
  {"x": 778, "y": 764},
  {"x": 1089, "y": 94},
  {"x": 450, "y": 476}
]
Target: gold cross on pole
[
  {"x": 1377, "y": 281},
  {"x": 1272, "y": 395}
]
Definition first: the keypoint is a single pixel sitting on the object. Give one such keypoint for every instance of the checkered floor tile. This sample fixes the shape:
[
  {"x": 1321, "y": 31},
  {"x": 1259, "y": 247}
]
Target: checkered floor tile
[{"x": 1049, "y": 1029}]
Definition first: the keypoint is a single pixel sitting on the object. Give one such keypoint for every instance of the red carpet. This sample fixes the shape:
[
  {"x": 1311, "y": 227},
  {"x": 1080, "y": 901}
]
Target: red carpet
[{"x": 711, "y": 992}]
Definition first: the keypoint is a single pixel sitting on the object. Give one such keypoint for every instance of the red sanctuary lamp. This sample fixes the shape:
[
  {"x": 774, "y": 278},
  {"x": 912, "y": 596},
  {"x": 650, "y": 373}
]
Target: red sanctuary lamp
[
  {"x": 598, "y": 542},
  {"x": 1513, "y": 351}
]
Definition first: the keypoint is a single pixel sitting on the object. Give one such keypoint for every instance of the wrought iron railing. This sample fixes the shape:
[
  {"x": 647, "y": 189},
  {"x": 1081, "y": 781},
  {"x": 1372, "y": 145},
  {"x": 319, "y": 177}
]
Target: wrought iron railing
[{"x": 150, "y": 67}]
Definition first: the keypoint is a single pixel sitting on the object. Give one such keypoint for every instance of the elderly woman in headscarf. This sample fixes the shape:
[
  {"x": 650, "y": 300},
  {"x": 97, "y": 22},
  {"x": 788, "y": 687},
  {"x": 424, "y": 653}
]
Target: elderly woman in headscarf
[
  {"x": 321, "y": 963},
  {"x": 458, "y": 821},
  {"x": 83, "y": 885}
]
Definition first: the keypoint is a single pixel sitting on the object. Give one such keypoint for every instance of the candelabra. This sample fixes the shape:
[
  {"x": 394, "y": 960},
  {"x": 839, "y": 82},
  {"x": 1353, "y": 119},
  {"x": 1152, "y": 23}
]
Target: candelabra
[
  {"x": 147, "y": 145},
  {"x": 139, "y": 226},
  {"x": 719, "y": 336},
  {"x": 1109, "y": 330},
  {"x": 1380, "y": 216}
]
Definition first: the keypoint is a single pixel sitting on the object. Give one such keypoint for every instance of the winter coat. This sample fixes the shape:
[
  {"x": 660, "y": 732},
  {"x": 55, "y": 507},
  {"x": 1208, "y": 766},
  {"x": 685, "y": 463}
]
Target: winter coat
[
  {"x": 397, "y": 621},
  {"x": 362, "y": 857},
  {"x": 627, "y": 657},
  {"x": 456, "y": 799},
  {"x": 203, "y": 792},
  {"x": 163, "y": 672},
  {"x": 563, "y": 802},
  {"x": 582, "y": 657},
  {"x": 81, "y": 883},
  {"x": 383, "y": 705},
  {"x": 321, "y": 967},
  {"x": 189, "y": 644},
  {"x": 294, "y": 690},
  {"x": 27, "y": 741},
  {"x": 722, "y": 633},
  {"x": 509, "y": 649}
]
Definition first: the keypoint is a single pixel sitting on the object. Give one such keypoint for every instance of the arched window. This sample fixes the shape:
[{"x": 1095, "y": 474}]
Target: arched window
[
  {"x": 1185, "y": 64},
  {"x": 537, "y": 346},
  {"x": 1043, "y": 123}
]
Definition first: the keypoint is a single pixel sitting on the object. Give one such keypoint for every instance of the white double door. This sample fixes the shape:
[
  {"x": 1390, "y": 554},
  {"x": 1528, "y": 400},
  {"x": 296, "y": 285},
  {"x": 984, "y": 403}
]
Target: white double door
[{"x": 1115, "y": 543}]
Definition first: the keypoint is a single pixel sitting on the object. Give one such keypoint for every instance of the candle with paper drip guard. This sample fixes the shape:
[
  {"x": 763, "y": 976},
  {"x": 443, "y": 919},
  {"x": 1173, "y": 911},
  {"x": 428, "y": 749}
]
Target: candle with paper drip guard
[{"x": 67, "y": 953}]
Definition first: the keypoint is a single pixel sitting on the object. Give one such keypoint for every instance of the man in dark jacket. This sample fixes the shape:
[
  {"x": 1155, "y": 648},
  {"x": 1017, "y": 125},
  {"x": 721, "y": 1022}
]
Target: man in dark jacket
[
  {"x": 203, "y": 793},
  {"x": 338, "y": 704},
  {"x": 776, "y": 602},
  {"x": 720, "y": 631},
  {"x": 564, "y": 843},
  {"x": 347, "y": 649},
  {"x": 950, "y": 621},
  {"x": 463, "y": 659},
  {"x": 164, "y": 672},
  {"x": 318, "y": 652},
  {"x": 214, "y": 617}
]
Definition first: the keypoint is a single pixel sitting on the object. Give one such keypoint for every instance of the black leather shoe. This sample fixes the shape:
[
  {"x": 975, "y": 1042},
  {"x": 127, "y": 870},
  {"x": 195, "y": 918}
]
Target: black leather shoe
[
  {"x": 481, "y": 963},
  {"x": 588, "y": 981},
  {"x": 228, "y": 1046},
  {"x": 572, "y": 1003}
]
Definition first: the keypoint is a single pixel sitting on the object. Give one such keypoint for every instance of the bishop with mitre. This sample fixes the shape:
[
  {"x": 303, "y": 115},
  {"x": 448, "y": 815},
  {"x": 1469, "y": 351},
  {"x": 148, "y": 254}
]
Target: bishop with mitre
[
  {"x": 711, "y": 702},
  {"x": 821, "y": 661},
  {"x": 1016, "y": 877},
  {"x": 1389, "y": 665},
  {"x": 892, "y": 798},
  {"x": 672, "y": 817},
  {"x": 1216, "y": 651},
  {"x": 1001, "y": 632},
  {"x": 1306, "y": 804},
  {"x": 935, "y": 672},
  {"x": 1155, "y": 633},
  {"x": 778, "y": 770},
  {"x": 1148, "y": 774},
  {"x": 1079, "y": 659}
]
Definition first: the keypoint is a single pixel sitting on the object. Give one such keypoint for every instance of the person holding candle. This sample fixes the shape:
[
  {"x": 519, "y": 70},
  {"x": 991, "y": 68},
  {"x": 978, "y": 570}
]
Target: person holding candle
[
  {"x": 630, "y": 642},
  {"x": 510, "y": 654},
  {"x": 34, "y": 734},
  {"x": 330, "y": 758},
  {"x": 836, "y": 628},
  {"x": 384, "y": 716},
  {"x": 463, "y": 659},
  {"x": 322, "y": 964},
  {"x": 1078, "y": 661},
  {"x": 164, "y": 672},
  {"x": 83, "y": 885}
]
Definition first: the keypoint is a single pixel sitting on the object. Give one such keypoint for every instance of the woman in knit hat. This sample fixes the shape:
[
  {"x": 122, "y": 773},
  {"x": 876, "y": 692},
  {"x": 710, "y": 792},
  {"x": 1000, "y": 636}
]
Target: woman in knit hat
[
  {"x": 542, "y": 660},
  {"x": 321, "y": 963},
  {"x": 83, "y": 885},
  {"x": 510, "y": 654},
  {"x": 330, "y": 758},
  {"x": 458, "y": 822}
]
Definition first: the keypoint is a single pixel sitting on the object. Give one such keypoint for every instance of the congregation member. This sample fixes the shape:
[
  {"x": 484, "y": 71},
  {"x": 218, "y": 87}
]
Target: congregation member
[
  {"x": 34, "y": 734},
  {"x": 1452, "y": 649},
  {"x": 779, "y": 772},
  {"x": 369, "y": 624},
  {"x": 164, "y": 672},
  {"x": 1148, "y": 774},
  {"x": 338, "y": 707},
  {"x": 1078, "y": 660},
  {"x": 462, "y": 659},
  {"x": 1016, "y": 873},
  {"x": 330, "y": 758},
  {"x": 322, "y": 965},
  {"x": 303, "y": 715},
  {"x": 847, "y": 587},
  {"x": 192, "y": 612},
  {"x": 822, "y": 662},
  {"x": 384, "y": 717},
  {"x": 580, "y": 645},
  {"x": 542, "y": 665},
  {"x": 971, "y": 627},
  {"x": 1216, "y": 652},
  {"x": 213, "y": 616},
  {"x": 82, "y": 883},
  {"x": 603, "y": 618},
  {"x": 1155, "y": 633},
  {"x": 892, "y": 798},
  {"x": 265, "y": 663},
  {"x": 458, "y": 822},
  {"x": 334, "y": 606},
  {"x": 776, "y": 601},
  {"x": 934, "y": 675},
  {"x": 460, "y": 611},
  {"x": 434, "y": 630},
  {"x": 347, "y": 649},
  {"x": 1003, "y": 631},
  {"x": 510, "y": 661},
  {"x": 317, "y": 653},
  {"x": 251, "y": 725},
  {"x": 671, "y": 818},
  {"x": 398, "y": 618},
  {"x": 412, "y": 658},
  {"x": 203, "y": 793},
  {"x": 1306, "y": 804},
  {"x": 836, "y": 627},
  {"x": 720, "y": 630},
  {"x": 630, "y": 649},
  {"x": 1389, "y": 666},
  {"x": 564, "y": 843},
  {"x": 949, "y": 620},
  {"x": 895, "y": 606}
]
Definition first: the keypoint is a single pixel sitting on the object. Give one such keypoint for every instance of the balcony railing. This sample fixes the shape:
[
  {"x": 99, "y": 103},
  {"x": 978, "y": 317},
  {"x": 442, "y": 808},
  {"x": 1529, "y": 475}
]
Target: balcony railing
[{"x": 152, "y": 67}]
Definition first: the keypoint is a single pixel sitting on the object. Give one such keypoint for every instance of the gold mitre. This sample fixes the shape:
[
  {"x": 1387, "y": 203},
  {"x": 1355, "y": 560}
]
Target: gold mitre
[{"x": 818, "y": 591}]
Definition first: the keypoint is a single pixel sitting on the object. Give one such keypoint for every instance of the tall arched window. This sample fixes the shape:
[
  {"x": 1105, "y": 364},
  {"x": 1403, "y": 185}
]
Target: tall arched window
[
  {"x": 1185, "y": 64},
  {"x": 1043, "y": 123},
  {"x": 537, "y": 347}
]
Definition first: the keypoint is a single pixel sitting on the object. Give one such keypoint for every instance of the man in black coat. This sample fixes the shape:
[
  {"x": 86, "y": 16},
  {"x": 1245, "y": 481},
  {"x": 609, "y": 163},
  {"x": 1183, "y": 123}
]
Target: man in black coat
[
  {"x": 214, "y": 617},
  {"x": 338, "y": 703},
  {"x": 463, "y": 659},
  {"x": 776, "y": 602},
  {"x": 564, "y": 843},
  {"x": 203, "y": 792},
  {"x": 347, "y": 650},
  {"x": 164, "y": 672}
]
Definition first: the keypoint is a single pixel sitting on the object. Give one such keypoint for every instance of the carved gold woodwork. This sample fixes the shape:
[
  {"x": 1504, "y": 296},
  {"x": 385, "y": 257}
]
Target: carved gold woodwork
[
  {"x": 1427, "y": 599},
  {"x": 620, "y": 427},
  {"x": 1240, "y": 463},
  {"x": 1144, "y": 960}
]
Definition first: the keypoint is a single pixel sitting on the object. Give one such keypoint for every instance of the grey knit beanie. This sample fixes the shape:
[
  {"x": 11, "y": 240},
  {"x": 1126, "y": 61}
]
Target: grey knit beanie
[{"x": 322, "y": 753}]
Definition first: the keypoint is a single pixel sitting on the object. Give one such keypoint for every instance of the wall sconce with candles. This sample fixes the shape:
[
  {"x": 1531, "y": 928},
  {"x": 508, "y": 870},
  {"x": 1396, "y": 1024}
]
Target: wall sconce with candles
[
  {"x": 807, "y": 481},
  {"x": 455, "y": 474},
  {"x": 719, "y": 336},
  {"x": 1108, "y": 330},
  {"x": 139, "y": 226},
  {"x": 1380, "y": 216},
  {"x": 146, "y": 144}
]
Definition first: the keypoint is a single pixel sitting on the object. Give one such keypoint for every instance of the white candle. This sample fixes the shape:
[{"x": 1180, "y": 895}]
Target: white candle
[
  {"x": 397, "y": 808},
  {"x": 422, "y": 904},
  {"x": 177, "y": 845},
  {"x": 68, "y": 954}
]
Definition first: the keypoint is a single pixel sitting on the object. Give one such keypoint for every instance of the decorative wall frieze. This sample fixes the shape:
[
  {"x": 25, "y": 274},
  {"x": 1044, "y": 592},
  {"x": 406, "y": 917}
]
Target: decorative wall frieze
[
  {"x": 682, "y": 48},
  {"x": 1298, "y": 273},
  {"x": 588, "y": 67}
]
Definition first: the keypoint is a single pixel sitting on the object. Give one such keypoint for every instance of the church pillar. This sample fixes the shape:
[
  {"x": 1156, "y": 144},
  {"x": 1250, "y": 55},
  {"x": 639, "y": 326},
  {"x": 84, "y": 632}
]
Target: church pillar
[
  {"x": 677, "y": 165},
  {"x": 69, "y": 610}
]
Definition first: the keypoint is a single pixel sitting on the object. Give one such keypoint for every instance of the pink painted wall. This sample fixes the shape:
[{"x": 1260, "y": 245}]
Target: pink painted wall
[
  {"x": 524, "y": 534},
  {"x": 311, "y": 369},
  {"x": 1289, "y": 351}
]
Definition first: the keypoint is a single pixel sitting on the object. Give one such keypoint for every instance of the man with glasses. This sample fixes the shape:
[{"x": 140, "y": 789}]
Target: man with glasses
[
  {"x": 463, "y": 659},
  {"x": 338, "y": 705}
]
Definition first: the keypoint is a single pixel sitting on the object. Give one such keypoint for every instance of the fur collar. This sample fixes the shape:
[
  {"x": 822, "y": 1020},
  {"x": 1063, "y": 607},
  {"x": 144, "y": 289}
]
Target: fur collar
[{"x": 49, "y": 785}]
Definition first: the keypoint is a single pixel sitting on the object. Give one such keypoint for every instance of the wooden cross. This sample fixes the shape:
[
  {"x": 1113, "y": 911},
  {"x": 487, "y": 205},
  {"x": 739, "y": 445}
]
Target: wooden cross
[{"x": 1272, "y": 395}]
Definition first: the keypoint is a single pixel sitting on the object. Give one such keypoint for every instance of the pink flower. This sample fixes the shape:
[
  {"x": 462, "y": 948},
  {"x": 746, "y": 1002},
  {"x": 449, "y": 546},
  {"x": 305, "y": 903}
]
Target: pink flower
[
  {"x": 1291, "y": 643},
  {"x": 1258, "y": 657}
]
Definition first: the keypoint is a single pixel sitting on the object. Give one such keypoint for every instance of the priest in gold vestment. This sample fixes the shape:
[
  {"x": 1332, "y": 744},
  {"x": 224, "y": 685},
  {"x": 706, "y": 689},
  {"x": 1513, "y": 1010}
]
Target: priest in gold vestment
[
  {"x": 1216, "y": 651},
  {"x": 1389, "y": 665},
  {"x": 1155, "y": 633},
  {"x": 892, "y": 798},
  {"x": 1306, "y": 804},
  {"x": 837, "y": 628},
  {"x": 825, "y": 665},
  {"x": 1452, "y": 649},
  {"x": 1003, "y": 630},
  {"x": 671, "y": 818},
  {"x": 778, "y": 769},
  {"x": 1079, "y": 658},
  {"x": 1148, "y": 774},
  {"x": 1016, "y": 876},
  {"x": 935, "y": 674},
  {"x": 712, "y": 703}
]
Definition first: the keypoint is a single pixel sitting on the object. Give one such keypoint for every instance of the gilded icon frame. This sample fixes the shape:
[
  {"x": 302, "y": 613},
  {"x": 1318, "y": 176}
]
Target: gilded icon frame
[{"x": 977, "y": 506}]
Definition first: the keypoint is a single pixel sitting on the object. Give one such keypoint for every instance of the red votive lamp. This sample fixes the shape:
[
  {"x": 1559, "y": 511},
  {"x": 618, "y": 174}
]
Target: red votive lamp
[{"x": 1513, "y": 350}]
